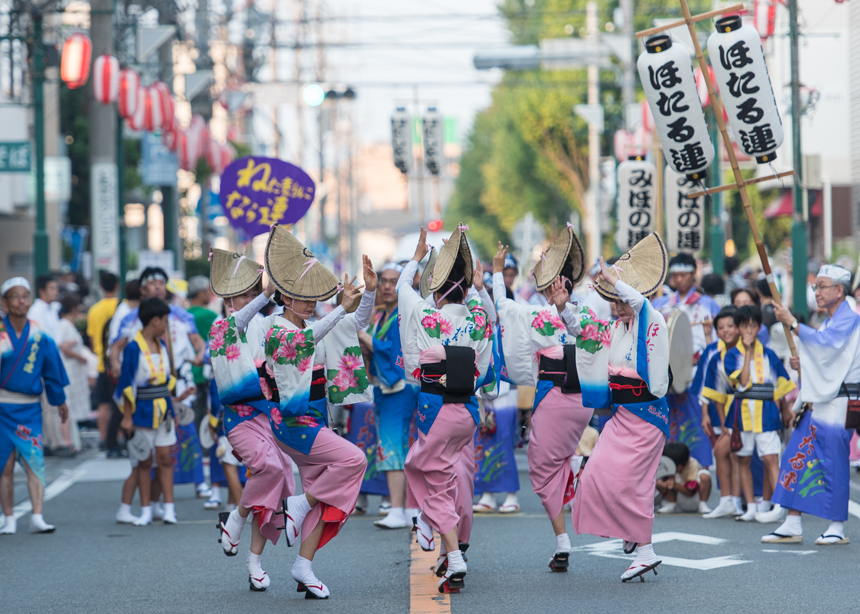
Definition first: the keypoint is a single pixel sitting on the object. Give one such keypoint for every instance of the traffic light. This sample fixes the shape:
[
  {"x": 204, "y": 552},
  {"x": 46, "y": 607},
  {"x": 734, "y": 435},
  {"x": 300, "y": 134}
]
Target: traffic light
[{"x": 434, "y": 225}]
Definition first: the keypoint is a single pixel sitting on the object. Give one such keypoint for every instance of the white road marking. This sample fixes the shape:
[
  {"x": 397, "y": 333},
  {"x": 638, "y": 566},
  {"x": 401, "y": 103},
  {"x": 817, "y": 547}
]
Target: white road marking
[
  {"x": 613, "y": 548},
  {"x": 854, "y": 508},
  {"x": 57, "y": 487},
  {"x": 801, "y": 552}
]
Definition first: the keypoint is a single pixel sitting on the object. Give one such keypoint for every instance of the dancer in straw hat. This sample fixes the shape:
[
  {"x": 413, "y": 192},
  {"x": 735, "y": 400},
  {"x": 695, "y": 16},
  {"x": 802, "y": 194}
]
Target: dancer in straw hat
[
  {"x": 238, "y": 362},
  {"x": 539, "y": 346},
  {"x": 615, "y": 496},
  {"x": 447, "y": 348},
  {"x": 307, "y": 372}
]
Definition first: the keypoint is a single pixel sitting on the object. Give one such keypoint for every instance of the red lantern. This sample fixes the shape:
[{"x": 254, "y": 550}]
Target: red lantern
[
  {"x": 152, "y": 118},
  {"x": 167, "y": 106},
  {"x": 135, "y": 121},
  {"x": 186, "y": 150},
  {"x": 106, "y": 79},
  {"x": 129, "y": 87},
  {"x": 75, "y": 64},
  {"x": 204, "y": 143},
  {"x": 765, "y": 17}
]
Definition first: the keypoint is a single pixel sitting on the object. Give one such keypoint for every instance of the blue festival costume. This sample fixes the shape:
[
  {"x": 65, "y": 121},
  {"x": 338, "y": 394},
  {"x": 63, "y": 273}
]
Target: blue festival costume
[
  {"x": 394, "y": 398},
  {"x": 29, "y": 365},
  {"x": 815, "y": 473}
]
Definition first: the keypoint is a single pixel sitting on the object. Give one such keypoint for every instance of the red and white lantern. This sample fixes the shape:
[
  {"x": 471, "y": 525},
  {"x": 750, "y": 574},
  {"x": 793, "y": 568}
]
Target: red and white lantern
[
  {"x": 765, "y": 18},
  {"x": 167, "y": 105},
  {"x": 214, "y": 157},
  {"x": 106, "y": 79},
  {"x": 152, "y": 118},
  {"x": 186, "y": 150},
  {"x": 75, "y": 64},
  {"x": 129, "y": 89},
  {"x": 135, "y": 120}
]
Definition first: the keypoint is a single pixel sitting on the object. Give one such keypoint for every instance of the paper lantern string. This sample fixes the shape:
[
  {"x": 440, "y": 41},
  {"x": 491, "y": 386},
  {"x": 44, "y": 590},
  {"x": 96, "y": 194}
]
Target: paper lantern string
[{"x": 776, "y": 174}]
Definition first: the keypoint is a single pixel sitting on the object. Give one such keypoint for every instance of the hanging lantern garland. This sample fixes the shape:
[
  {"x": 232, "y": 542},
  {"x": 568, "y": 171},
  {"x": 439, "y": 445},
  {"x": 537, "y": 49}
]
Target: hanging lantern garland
[
  {"x": 670, "y": 88},
  {"x": 166, "y": 101},
  {"x": 738, "y": 61},
  {"x": 106, "y": 79},
  {"x": 152, "y": 117},
  {"x": 636, "y": 201},
  {"x": 75, "y": 63},
  {"x": 129, "y": 88},
  {"x": 136, "y": 120}
]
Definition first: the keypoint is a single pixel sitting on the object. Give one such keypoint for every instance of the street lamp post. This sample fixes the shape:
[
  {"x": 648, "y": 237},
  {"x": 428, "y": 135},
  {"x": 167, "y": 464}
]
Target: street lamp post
[
  {"x": 798, "y": 223},
  {"x": 41, "y": 246}
]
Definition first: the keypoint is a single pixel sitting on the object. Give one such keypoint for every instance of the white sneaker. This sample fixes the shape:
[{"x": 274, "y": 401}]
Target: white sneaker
[
  {"x": 703, "y": 508},
  {"x": 668, "y": 507},
  {"x": 724, "y": 509},
  {"x": 777, "y": 514},
  {"x": 396, "y": 519},
  {"x": 124, "y": 516}
]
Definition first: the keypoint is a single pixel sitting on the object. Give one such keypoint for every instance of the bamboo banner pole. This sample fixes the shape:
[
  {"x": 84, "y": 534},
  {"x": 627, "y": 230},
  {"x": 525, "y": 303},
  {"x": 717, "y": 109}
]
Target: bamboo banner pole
[
  {"x": 732, "y": 186},
  {"x": 717, "y": 106},
  {"x": 681, "y": 22}
]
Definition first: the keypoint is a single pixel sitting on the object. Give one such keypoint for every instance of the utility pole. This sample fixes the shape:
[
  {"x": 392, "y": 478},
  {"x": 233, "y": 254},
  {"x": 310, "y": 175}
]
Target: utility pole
[
  {"x": 798, "y": 222},
  {"x": 629, "y": 83},
  {"x": 170, "y": 198},
  {"x": 592, "y": 232},
  {"x": 104, "y": 194},
  {"x": 204, "y": 62},
  {"x": 41, "y": 246}
]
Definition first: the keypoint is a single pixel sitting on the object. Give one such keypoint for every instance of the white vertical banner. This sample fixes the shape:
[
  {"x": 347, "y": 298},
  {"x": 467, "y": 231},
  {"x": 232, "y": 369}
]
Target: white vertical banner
[
  {"x": 104, "y": 223},
  {"x": 401, "y": 140},
  {"x": 434, "y": 141},
  {"x": 636, "y": 202},
  {"x": 685, "y": 217}
]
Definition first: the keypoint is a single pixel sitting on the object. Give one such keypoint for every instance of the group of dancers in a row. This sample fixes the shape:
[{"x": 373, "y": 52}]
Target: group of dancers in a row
[{"x": 278, "y": 375}]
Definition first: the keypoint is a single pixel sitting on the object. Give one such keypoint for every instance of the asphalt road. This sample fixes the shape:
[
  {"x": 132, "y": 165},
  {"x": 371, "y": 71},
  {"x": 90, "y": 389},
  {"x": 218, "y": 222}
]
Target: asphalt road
[{"x": 91, "y": 564}]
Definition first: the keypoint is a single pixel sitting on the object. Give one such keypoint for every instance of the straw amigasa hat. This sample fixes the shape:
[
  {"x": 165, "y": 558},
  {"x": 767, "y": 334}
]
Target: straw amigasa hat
[
  {"x": 565, "y": 250},
  {"x": 643, "y": 267},
  {"x": 232, "y": 274},
  {"x": 457, "y": 247},
  {"x": 426, "y": 276},
  {"x": 295, "y": 271}
]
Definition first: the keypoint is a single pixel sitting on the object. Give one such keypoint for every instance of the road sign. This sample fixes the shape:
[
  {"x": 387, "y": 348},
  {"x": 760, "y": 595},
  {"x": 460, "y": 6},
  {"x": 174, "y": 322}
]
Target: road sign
[
  {"x": 15, "y": 157},
  {"x": 158, "y": 164},
  {"x": 105, "y": 240}
]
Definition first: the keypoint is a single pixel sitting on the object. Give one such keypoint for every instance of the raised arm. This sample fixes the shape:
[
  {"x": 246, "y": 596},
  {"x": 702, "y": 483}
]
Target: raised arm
[
  {"x": 350, "y": 302},
  {"x": 625, "y": 291},
  {"x": 244, "y": 316},
  {"x": 480, "y": 290}
]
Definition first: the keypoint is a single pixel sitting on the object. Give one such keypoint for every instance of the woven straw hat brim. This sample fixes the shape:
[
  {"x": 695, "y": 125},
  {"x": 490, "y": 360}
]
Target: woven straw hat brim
[
  {"x": 457, "y": 244},
  {"x": 294, "y": 270},
  {"x": 232, "y": 274},
  {"x": 424, "y": 284},
  {"x": 566, "y": 248},
  {"x": 643, "y": 268}
]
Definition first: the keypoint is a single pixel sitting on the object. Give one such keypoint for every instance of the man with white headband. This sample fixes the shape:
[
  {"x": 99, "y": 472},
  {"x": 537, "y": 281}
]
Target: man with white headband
[
  {"x": 685, "y": 409},
  {"x": 814, "y": 474},
  {"x": 29, "y": 364},
  {"x": 394, "y": 398}
]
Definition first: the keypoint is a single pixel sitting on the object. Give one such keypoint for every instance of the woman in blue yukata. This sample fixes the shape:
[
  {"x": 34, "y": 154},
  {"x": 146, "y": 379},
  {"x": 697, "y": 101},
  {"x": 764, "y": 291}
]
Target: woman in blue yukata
[{"x": 29, "y": 364}]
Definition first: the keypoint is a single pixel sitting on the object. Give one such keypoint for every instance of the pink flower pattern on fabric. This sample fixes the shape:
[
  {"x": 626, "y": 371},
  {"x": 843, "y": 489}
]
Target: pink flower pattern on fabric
[
  {"x": 264, "y": 386},
  {"x": 233, "y": 352},
  {"x": 216, "y": 342},
  {"x": 287, "y": 351},
  {"x": 591, "y": 332},
  {"x": 243, "y": 410},
  {"x": 275, "y": 414},
  {"x": 605, "y": 337},
  {"x": 305, "y": 364},
  {"x": 345, "y": 380},
  {"x": 306, "y": 421},
  {"x": 445, "y": 326},
  {"x": 348, "y": 362}
]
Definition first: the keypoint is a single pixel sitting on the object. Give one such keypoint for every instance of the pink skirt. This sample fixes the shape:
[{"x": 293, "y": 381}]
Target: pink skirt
[
  {"x": 270, "y": 478},
  {"x": 331, "y": 473},
  {"x": 557, "y": 425},
  {"x": 465, "y": 470},
  {"x": 431, "y": 466},
  {"x": 615, "y": 497}
]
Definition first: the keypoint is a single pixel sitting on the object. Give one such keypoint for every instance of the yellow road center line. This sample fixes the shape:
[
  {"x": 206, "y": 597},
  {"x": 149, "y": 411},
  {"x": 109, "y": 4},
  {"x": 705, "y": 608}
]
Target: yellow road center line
[{"x": 425, "y": 597}]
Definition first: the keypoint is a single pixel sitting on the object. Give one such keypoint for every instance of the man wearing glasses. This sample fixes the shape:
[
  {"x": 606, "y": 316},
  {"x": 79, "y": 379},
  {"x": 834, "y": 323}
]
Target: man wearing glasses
[
  {"x": 29, "y": 365},
  {"x": 814, "y": 473}
]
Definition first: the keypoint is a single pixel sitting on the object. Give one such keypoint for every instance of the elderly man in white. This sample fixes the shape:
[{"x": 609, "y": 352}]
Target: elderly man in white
[{"x": 814, "y": 473}]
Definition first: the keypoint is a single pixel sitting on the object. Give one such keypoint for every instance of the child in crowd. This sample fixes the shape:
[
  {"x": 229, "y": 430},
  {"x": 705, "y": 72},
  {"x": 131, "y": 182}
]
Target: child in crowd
[
  {"x": 690, "y": 488},
  {"x": 760, "y": 381}
]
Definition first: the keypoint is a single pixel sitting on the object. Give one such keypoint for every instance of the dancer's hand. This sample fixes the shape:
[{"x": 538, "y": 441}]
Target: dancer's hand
[
  {"x": 351, "y": 294},
  {"x": 421, "y": 249},
  {"x": 560, "y": 297},
  {"x": 478, "y": 275},
  {"x": 607, "y": 274},
  {"x": 499, "y": 259},
  {"x": 270, "y": 289},
  {"x": 370, "y": 279}
]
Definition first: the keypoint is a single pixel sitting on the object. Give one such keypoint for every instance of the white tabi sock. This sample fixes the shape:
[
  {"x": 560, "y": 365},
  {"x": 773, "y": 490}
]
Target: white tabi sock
[
  {"x": 145, "y": 517},
  {"x": 10, "y": 527},
  {"x": 38, "y": 524},
  {"x": 644, "y": 555},
  {"x": 738, "y": 504},
  {"x": 835, "y": 528},
  {"x": 170, "y": 513},
  {"x": 791, "y": 526},
  {"x": 562, "y": 543},
  {"x": 764, "y": 506}
]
